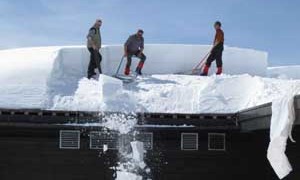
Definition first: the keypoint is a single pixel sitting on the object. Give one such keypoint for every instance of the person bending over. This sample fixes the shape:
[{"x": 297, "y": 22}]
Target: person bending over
[{"x": 135, "y": 46}]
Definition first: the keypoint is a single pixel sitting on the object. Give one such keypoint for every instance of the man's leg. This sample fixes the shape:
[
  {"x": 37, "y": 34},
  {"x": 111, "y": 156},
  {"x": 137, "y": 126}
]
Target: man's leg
[
  {"x": 141, "y": 63},
  {"x": 92, "y": 65},
  {"x": 209, "y": 60},
  {"x": 98, "y": 61},
  {"x": 128, "y": 64},
  {"x": 219, "y": 62}
]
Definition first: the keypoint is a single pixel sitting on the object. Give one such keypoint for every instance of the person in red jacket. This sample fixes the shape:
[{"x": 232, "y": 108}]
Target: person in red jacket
[{"x": 216, "y": 52}]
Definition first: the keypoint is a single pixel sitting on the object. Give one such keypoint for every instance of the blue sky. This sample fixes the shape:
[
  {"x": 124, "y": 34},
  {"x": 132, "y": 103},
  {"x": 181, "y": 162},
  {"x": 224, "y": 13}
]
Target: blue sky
[{"x": 267, "y": 25}]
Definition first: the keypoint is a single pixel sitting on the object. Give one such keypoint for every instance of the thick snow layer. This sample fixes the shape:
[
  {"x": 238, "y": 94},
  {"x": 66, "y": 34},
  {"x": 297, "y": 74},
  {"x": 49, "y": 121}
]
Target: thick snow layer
[
  {"x": 179, "y": 93},
  {"x": 23, "y": 76},
  {"x": 32, "y": 77},
  {"x": 284, "y": 72}
]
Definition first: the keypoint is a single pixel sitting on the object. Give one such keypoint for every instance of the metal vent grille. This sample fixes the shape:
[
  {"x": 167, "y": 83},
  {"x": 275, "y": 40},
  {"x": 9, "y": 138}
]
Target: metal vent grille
[
  {"x": 147, "y": 139},
  {"x": 189, "y": 141},
  {"x": 99, "y": 139},
  {"x": 69, "y": 139},
  {"x": 216, "y": 141}
]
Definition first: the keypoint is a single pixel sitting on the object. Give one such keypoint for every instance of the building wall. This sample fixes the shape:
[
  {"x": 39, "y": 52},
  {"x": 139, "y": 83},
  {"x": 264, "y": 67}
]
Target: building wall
[{"x": 35, "y": 154}]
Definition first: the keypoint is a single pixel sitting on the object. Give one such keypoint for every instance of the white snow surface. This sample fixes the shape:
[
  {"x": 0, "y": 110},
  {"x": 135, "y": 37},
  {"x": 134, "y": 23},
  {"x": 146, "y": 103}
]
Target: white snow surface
[
  {"x": 284, "y": 72},
  {"x": 32, "y": 77},
  {"x": 124, "y": 175},
  {"x": 178, "y": 94}
]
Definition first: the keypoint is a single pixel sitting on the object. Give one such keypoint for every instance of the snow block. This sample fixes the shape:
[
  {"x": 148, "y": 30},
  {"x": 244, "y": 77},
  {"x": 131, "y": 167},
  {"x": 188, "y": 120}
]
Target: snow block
[
  {"x": 137, "y": 151},
  {"x": 283, "y": 117},
  {"x": 110, "y": 86}
]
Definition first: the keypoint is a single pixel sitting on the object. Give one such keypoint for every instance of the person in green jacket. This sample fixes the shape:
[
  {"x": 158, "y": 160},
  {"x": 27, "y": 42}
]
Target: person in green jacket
[{"x": 94, "y": 45}]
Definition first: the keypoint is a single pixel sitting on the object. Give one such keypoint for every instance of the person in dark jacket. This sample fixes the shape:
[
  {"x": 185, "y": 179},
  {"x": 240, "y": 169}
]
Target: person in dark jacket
[
  {"x": 216, "y": 52},
  {"x": 135, "y": 46},
  {"x": 94, "y": 45}
]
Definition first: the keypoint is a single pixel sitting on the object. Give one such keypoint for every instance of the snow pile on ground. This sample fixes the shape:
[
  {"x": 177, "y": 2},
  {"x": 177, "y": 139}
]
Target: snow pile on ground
[{"x": 284, "y": 72}]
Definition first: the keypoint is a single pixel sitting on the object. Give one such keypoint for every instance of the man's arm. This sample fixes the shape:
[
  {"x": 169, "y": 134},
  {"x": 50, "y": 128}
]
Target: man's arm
[
  {"x": 90, "y": 36},
  {"x": 125, "y": 50},
  {"x": 126, "y": 45},
  {"x": 142, "y": 46}
]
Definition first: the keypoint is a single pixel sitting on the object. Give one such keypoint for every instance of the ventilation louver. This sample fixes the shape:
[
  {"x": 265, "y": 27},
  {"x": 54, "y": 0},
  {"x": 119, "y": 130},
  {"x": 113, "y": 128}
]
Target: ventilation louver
[
  {"x": 69, "y": 139},
  {"x": 189, "y": 141}
]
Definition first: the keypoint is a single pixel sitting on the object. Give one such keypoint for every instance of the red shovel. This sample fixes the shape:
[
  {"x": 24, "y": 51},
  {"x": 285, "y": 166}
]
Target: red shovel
[{"x": 200, "y": 65}]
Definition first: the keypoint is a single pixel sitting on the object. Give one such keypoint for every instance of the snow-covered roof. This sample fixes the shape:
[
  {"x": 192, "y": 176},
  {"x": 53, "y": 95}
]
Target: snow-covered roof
[{"x": 32, "y": 77}]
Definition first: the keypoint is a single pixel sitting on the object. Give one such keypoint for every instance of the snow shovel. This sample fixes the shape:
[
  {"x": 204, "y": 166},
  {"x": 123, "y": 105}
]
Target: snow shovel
[
  {"x": 201, "y": 64},
  {"x": 126, "y": 79},
  {"x": 119, "y": 67},
  {"x": 198, "y": 67}
]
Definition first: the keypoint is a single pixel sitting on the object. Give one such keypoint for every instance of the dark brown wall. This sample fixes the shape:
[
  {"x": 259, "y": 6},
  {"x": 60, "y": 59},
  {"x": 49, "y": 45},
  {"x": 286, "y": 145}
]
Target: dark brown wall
[{"x": 34, "y": 154}]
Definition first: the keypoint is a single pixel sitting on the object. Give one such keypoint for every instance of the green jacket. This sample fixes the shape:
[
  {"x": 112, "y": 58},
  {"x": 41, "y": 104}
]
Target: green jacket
[{"x": 94, "y": 37}]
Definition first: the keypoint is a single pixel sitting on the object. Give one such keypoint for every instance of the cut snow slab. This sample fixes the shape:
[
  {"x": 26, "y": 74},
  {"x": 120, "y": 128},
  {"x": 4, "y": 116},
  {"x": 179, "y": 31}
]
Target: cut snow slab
[
  {"x": 105, "y": 94},
  {"x": 137, "y": 151},
  {"x": 110, "y": 87},
  {"x": 123, "y": 175},
  {"x": 283, "y": 117}
]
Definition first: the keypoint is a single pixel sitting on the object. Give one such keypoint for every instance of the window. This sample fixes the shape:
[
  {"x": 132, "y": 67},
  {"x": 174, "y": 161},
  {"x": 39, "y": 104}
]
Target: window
[
  {"x": 189, "y": 141},
  {"x": 69, "y": 139}
]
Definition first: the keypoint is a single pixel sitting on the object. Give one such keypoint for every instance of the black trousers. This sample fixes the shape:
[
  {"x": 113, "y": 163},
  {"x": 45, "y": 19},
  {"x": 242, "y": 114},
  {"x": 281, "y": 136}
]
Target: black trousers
[
  {"x": 216, "y": 54},
  {"x": 95, "y": 60},
  {"x": 129, "y": 57}
]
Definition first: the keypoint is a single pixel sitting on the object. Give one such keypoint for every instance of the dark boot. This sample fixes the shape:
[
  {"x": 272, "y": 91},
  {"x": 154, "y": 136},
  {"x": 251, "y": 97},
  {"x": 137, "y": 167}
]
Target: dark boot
[
  {"x": 205, "y": 71},
  {"x": 139, "y": 68},
  {"x": 219, "y": 71},
  {"x": 138, "y": 71}
]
